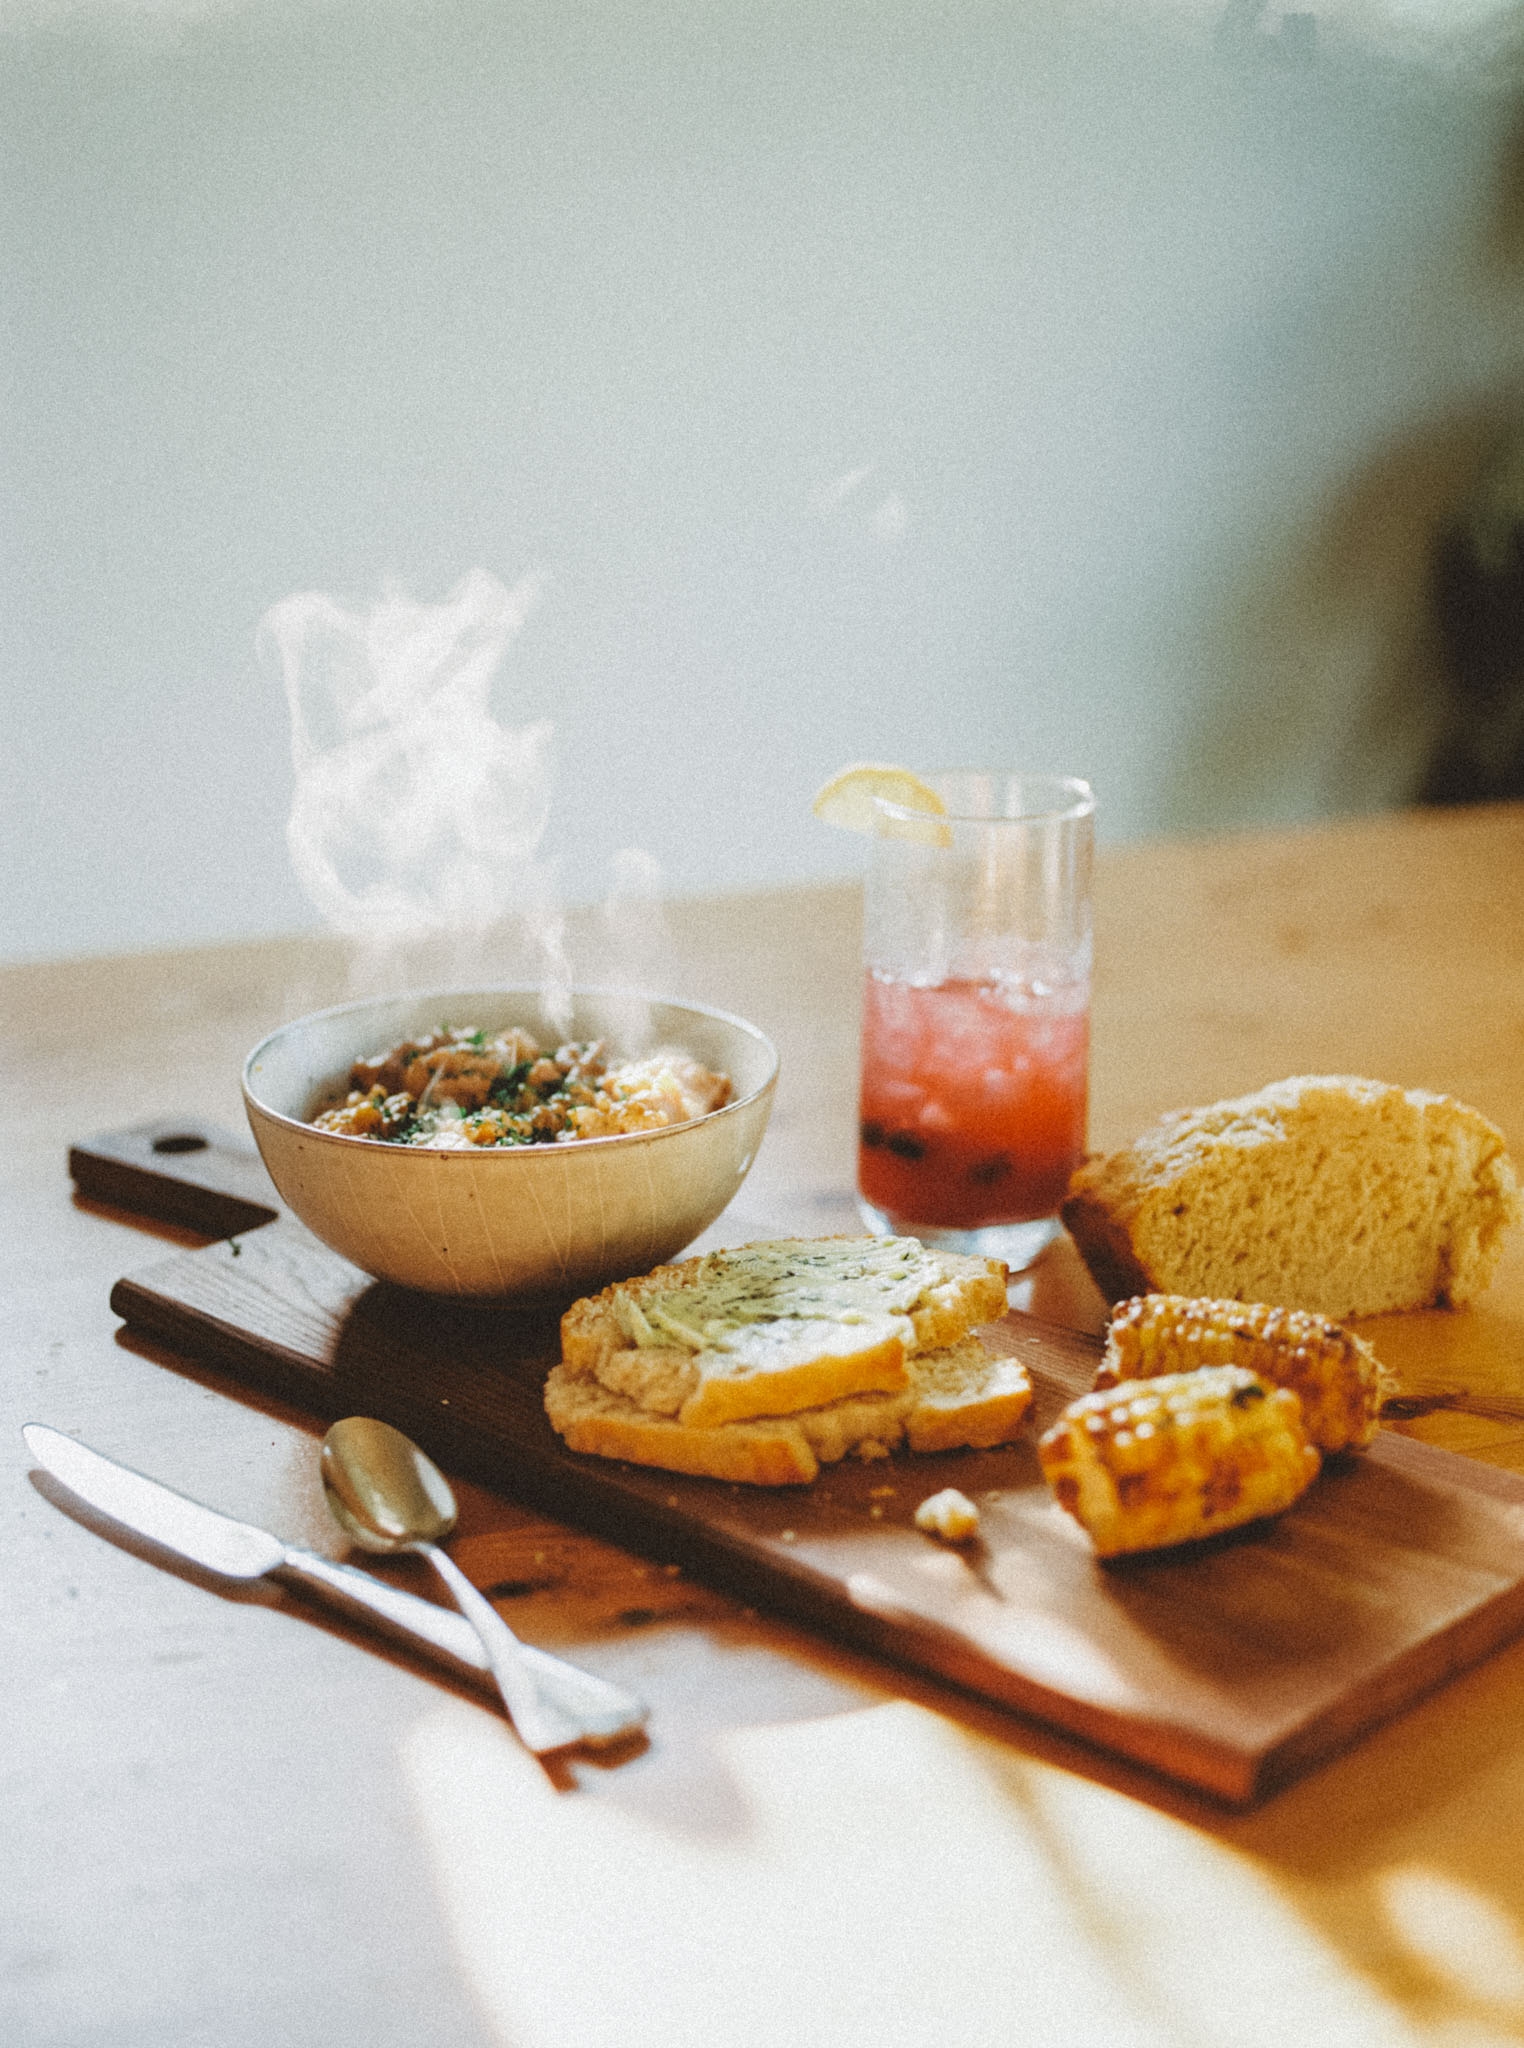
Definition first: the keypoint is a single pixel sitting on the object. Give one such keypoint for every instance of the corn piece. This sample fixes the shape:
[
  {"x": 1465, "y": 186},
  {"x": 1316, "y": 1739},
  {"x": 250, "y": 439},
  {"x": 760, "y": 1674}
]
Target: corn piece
[
  {"x": 1334, "y": 1374},
  {"x": 1152, "y": 1462}
]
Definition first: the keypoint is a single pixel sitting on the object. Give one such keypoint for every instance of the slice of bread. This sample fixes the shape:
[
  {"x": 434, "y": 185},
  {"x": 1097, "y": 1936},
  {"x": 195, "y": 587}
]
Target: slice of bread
[
  {"x": 958, "y": 1396},
  {"x": 1343, "y": 1196},
  {"x": 772, "y": 1328}
]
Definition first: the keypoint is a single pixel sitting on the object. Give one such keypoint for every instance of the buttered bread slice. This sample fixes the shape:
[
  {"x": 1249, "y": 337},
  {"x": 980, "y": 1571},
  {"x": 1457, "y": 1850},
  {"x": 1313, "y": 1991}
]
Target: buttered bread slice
[
  {"x": 774, "y": 1328},
  {"x": 956, "y": 1397}
]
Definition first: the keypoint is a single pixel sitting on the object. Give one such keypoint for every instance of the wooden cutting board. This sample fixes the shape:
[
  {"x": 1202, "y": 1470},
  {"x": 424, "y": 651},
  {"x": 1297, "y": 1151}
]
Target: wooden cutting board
[{"x": 1233, "y": 1665}]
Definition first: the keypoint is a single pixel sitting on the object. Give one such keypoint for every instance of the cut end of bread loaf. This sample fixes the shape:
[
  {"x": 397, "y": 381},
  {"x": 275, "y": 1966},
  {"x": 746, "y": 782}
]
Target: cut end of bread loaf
[
  {"x": 1100, "y": 1233},
  {"x": 957, "y": 1397},
  {"x": 1330, "y": 1193}
]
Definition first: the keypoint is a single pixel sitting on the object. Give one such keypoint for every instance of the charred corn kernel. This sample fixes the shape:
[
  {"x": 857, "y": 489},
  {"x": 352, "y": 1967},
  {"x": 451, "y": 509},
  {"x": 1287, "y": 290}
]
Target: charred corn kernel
[
  {"x": 1333, "y": 1373},
  {"x": 948, "y": 1514},
  {"x": 1157, "y": 1461}
]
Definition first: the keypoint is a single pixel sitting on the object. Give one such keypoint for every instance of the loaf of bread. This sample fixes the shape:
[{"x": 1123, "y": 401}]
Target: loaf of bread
[
  {"x": 954, "y": 1397},
  {"x": 1342, "y": 1196},
  {"x": 769, "y": 1329}
]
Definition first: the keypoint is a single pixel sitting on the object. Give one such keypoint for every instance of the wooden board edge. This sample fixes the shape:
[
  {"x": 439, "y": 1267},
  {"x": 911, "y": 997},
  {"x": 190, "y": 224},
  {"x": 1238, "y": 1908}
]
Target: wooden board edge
[
  {"x": 264, "y": 1367},
  {"x": 1409, "y": 1678},
  {"x": 1412, "y": 1454},
  {"x": 180, "y": 1171}
]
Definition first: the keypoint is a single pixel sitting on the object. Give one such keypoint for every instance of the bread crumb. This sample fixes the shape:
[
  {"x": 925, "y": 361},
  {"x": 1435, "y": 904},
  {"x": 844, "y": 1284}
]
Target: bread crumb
[{"x": 948, "y": 1514}]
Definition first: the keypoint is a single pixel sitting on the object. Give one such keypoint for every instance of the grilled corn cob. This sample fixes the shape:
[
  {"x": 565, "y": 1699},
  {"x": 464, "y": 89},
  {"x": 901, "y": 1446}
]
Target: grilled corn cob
[
  {"x": 1151, "y": 1462},
  {"x": 1334, "y": 1374}
]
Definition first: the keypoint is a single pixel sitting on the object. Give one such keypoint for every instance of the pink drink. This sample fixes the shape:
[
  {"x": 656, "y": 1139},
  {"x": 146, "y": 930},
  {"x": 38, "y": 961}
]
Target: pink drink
[{"x": 973, "y": 1101}]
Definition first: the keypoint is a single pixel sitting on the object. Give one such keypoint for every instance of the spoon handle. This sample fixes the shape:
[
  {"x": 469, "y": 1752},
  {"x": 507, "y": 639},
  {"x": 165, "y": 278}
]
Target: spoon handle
[{"x": 550, "y": 1706}]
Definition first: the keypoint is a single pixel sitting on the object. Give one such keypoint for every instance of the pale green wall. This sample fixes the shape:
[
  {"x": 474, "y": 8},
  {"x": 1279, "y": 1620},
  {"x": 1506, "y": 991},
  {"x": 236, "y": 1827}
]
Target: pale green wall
[{"x": 1159, "y": 354}]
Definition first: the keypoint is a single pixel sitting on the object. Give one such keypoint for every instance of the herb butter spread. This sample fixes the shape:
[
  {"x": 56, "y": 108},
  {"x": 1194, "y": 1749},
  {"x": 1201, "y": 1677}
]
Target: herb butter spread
[
  {"x": 843, "y": 1280},
  {"x": 771, "y": 1329}
]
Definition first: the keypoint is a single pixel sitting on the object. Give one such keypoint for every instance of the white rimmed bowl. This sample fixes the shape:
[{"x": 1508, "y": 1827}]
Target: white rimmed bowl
[{"x": 515, "y": 1220}]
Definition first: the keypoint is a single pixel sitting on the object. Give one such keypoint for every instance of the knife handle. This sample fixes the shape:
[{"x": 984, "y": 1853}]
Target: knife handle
[{"x": 444, "y": 1635}]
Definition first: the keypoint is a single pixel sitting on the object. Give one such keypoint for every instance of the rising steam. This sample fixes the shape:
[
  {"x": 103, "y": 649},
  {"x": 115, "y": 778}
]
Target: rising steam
[
  {"x": 417, "y": 814},
  {"x": 638, "y": 946}
]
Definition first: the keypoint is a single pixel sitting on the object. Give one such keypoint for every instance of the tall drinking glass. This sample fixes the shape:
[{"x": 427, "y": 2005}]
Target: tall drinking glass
[{"x": 976, "y": 1012}]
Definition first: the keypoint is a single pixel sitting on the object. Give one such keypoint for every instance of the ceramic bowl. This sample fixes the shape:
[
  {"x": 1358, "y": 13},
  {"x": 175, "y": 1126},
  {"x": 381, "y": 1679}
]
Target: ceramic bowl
[{"x": 515, "y": 1220}]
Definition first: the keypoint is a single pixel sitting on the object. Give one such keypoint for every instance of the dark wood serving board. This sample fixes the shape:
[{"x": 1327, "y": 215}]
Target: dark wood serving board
[{"x": 1232, "y": 1666}]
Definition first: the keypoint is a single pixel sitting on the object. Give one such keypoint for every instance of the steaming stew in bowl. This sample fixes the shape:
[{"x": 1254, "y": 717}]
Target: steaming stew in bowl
[{"x": 458, "y": 1088}]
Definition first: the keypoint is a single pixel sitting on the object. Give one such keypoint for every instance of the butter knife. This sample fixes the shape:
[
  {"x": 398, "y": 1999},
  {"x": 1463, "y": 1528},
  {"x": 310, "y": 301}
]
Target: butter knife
[{"x": 237, "y": 1550}]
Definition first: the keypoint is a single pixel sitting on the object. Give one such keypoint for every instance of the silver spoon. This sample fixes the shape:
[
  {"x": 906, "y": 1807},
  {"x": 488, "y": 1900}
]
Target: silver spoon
[{"x": 388, "y": 1496}]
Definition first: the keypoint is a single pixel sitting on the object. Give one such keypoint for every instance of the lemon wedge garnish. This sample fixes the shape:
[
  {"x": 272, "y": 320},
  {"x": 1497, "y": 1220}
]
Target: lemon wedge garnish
[{"x": 849, "y": 800}]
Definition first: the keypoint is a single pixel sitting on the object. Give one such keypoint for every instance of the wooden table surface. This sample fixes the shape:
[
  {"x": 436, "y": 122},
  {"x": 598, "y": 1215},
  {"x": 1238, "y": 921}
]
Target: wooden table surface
[{"x": 227, "y": 1822}]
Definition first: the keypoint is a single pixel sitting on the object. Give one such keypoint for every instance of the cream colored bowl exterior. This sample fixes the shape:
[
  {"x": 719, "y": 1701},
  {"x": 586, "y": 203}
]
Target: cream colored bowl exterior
[{"x": 526, "y": 1220}]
